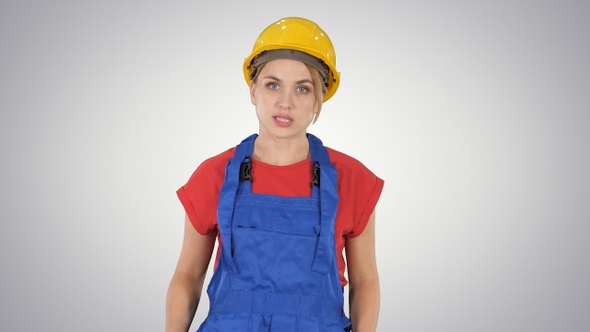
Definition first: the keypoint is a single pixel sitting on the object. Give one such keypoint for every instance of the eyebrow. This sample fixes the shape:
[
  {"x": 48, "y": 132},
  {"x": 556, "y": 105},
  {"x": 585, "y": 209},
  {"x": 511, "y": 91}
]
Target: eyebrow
[
  {"x": 304, "y": 81},
  {"x": 270, "y": 77}
]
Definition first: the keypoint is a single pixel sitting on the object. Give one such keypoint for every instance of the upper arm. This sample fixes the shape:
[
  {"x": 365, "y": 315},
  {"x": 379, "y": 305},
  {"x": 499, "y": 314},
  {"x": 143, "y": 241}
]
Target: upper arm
[
  {"x": 360, "y": 254},
  {"x": 185, "y": 287},
  {"x": 196, "y": 251}
]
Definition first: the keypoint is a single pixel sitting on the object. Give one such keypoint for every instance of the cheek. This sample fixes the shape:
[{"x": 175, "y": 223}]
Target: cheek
[
  {"x": 306, "y": 101},
  {"x": 310, "y": 111},
  {"x": 255, "y": 97},
  {"x": 311, "y": 105}
]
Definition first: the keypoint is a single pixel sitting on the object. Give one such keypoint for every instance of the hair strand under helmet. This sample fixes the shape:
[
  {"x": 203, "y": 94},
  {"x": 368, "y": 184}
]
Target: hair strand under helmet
[
  {"x": 297, "y": 39},
  {"x": 267, "y": 56}
]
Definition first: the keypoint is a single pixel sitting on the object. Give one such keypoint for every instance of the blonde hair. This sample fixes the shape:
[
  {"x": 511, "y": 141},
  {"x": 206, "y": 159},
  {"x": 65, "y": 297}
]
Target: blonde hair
[{"x": 319, "y": 88}]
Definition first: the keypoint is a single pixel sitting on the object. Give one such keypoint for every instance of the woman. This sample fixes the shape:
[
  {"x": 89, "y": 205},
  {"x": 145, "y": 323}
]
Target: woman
[{"x": 282, "y": 206}]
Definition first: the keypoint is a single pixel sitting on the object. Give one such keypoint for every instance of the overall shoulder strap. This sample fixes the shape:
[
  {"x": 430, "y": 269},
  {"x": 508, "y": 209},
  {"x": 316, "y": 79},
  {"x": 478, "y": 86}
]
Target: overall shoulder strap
[
  {"x": 227, "y": 197},
  {"x": 327, "y": 179}
]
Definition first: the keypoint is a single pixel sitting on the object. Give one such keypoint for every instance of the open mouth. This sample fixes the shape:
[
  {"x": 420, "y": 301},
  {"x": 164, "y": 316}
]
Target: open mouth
[{"x": 282, "y": 120}]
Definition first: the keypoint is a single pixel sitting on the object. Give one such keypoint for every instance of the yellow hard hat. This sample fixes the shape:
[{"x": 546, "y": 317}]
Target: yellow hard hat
[{"x": 299, "y": 39}]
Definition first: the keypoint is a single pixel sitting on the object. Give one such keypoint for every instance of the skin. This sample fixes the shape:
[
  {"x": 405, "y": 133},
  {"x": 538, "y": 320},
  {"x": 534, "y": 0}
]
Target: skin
[
  {"x": 363, "y": 279},
  {"x": 284, "y": 98},
  {"x": 283, "y": 95},
  {"x": 186, "y": 285}
]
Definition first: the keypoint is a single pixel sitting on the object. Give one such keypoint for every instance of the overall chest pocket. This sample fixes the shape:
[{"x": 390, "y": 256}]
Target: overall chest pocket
[
  {"x": 297, "y": 219},
  {"x": 274, "y": 247}
]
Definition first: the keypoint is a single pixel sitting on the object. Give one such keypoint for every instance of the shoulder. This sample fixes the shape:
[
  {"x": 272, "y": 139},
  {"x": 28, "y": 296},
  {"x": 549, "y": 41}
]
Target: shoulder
[
  {"x": 209, "y": 174},
  {"x": 199, "y": 195},
  {"x": 353, "y": 175},
  {"x": 214, "y": 166},
  {"x": 359, "y": 190},
  {"x": 345, "y": 163}
]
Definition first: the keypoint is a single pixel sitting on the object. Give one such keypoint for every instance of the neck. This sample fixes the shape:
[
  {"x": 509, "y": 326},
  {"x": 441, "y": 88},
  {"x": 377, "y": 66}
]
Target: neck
[{"x": 281, "y": 151}]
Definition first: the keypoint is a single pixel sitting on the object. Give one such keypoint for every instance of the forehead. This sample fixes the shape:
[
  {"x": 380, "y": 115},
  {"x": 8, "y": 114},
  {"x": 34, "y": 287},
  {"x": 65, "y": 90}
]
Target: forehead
[{"x": 286, "y": 68}]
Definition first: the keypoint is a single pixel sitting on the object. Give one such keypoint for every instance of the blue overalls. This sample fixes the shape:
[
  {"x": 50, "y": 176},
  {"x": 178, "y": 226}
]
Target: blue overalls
[{"x": 277, "y": 270}]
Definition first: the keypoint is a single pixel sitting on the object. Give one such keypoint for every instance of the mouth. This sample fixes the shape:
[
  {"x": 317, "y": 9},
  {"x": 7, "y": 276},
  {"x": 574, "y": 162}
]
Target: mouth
[{"x": 282, "y": 120}]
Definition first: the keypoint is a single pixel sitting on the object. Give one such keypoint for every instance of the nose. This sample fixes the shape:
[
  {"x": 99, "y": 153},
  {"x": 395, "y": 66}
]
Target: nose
[{"x": 285, "y": 100}]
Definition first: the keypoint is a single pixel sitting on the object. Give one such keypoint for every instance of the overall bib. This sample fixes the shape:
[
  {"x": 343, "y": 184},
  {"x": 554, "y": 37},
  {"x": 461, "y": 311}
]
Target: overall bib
[{"x": 277, "y": 269}]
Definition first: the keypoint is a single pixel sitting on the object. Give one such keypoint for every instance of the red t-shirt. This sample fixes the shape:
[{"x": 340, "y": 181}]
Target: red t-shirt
[{"x": 358, "y": 192}]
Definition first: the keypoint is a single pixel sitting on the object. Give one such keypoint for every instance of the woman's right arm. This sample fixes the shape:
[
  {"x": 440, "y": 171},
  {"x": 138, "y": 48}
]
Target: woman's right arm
[{"x": 185, "y": 288}]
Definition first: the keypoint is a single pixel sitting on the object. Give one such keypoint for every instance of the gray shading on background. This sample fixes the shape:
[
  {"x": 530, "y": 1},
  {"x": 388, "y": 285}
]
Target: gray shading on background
[{"x": 476, "y": 114}]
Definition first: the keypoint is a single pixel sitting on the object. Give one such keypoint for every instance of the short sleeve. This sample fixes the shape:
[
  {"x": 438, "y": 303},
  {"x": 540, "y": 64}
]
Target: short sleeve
[
  {"x": 359, "y": 191},
  {"x": 200, "y": 195},
  {"x": 367, "y": 201}
]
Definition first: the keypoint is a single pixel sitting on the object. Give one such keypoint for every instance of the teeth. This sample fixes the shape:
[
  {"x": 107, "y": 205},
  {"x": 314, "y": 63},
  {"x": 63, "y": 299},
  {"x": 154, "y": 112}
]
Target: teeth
[{"x": 283, "y": 120}]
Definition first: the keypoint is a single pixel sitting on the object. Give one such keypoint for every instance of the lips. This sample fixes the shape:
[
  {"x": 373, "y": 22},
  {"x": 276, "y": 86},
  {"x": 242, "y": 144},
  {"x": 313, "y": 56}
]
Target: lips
[{"x": 283, "y": 121}]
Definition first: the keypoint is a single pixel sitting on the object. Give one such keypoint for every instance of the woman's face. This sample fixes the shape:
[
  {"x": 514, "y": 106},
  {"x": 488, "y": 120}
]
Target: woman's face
[{"x": 284, "y": 98}]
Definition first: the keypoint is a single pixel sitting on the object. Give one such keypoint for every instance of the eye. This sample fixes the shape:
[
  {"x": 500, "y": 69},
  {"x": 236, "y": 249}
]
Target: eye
[
  {"x": 272, "y": 85},
  {"x": 302, "y": 89}
]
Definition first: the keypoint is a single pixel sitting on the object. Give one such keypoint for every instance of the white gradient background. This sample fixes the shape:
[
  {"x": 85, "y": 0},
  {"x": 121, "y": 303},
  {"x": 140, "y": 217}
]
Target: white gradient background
[{"x": 476, "y": 114}]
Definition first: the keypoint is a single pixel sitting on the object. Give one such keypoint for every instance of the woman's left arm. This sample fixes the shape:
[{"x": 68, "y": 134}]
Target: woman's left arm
[{"x": 363, "y": 279}]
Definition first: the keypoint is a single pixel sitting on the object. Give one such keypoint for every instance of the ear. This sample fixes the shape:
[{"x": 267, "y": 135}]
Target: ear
[{"x": 253, "y": 93}]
